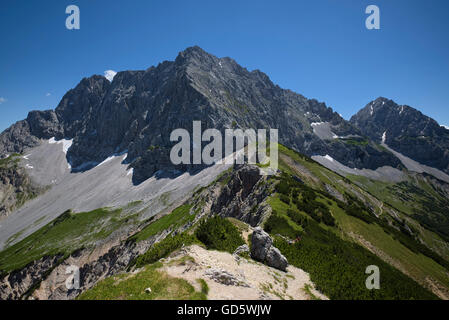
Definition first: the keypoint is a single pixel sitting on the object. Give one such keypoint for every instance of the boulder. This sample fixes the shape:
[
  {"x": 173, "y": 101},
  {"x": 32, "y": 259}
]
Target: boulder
[
  {"x": 275, "y": 259},
  {"x": 261, "y": 243},
  {"x": 263, "y": 250},
  {"x": 242, "y": 249}
]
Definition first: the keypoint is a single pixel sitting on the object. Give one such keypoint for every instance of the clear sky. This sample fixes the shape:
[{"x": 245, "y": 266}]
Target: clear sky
[{"x": 319, "y": 48}]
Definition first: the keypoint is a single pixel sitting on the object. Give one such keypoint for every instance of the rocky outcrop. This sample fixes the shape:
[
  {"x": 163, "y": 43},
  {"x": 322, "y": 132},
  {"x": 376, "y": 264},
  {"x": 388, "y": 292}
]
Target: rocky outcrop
[
  {"x": 226, "y": 278},
  {"x": 243, "y": 195},
  {"x": 405, "y": 130},
  {"x": 16, "y": 284},
  {"x": 16, "y": 186},
  {"x": 45, "y": 279},
  {"x": 45, "y": 124},
  {"x": 16, "y": 139},
  {"x": 262, "y": 249},
  {"x": 116, "y": 259}
]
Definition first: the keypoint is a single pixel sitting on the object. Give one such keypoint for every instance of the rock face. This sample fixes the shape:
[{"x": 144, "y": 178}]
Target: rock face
[
  {"x": 264, "y": 251},
  {"x": 18, "y": 283},
  {"x": 405, "y": 130},
  {"x": 138, "y": 110},
  {"x": 15, "y": 186},
  {"x": 242, "y": 197}
]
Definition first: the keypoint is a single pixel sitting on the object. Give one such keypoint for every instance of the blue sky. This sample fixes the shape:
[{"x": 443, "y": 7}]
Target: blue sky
[{"x": 318, "y": 48}]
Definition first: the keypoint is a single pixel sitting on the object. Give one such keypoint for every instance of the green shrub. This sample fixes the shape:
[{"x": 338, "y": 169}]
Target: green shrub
[
  {"x": 282, "y": 187},
  {"x": 337, "y": 267},
  {"x": 219, "y": 234},
  {"x": 164, "y": 248},
  {"x": 315, "y": 209},
  {"x": 277, "y": 224},
  {"x": 181, "y": 215},
  {"x": 284, "y": 198},
  {"x": 297, "y": 218}
]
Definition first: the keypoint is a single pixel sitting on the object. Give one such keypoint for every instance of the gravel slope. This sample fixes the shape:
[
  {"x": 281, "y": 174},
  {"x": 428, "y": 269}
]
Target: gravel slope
[{"x": 108, "y": 184}]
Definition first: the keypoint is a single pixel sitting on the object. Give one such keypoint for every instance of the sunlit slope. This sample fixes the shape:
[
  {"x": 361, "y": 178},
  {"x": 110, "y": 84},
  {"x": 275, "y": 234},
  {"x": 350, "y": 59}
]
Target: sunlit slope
[{"x": 361, "y": 216}]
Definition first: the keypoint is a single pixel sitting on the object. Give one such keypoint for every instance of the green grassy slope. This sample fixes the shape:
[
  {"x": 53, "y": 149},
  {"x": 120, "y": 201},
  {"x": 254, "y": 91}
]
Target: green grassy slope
[
  {"x": 355, "y": 221},
  {"x": 68, "y": 233},
  {"x": 132, "y": 287}
]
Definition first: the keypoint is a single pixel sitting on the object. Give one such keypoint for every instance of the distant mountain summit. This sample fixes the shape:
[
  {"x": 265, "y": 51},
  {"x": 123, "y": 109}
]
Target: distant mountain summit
[
  {"x": 406, "y": 130},
  {"x": 138, "y": 110}
]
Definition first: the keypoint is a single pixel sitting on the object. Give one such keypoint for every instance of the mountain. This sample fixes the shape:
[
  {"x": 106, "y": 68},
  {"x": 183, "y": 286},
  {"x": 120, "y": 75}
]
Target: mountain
[
  {"x": 90, "y": 185},
  {"x": 137, "y": 112},
  {"x": 405, "y": 130}
]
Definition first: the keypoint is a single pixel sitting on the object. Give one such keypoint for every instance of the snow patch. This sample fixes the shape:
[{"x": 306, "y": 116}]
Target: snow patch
[
  {"x": 110, "y": 74},
  {"x": 66, "y": 144},
  {"x": 384, "y": 137},
  {"x": 328, "y": 157},
  {"x": 372, "y": 110},
  {"x": 107, "y": 160},
  {"x": 85, "y": 165}
]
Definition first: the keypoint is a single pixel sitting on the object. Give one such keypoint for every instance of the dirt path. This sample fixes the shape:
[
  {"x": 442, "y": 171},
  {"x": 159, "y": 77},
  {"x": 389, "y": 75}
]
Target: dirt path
[{"x": 250, "y": 279}]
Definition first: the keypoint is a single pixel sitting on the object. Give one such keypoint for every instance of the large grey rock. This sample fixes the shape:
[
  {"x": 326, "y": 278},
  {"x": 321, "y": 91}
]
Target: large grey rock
[
  {"x": 262, "y": 249},
  {"x": 275, "y": 259},
  {"x": 261, "y": 242}
]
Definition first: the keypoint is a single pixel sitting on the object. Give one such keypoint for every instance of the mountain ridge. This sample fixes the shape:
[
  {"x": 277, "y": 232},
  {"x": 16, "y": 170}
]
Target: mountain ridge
[{"x": 137, "y": 111}]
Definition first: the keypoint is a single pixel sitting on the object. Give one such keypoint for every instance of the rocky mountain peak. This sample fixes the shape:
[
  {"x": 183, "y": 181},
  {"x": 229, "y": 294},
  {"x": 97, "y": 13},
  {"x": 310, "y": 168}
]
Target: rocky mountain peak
[
  {"x": 383, "y": 115},
  {"x": 138, "y": 110},
  {"x": 406, "y": 130},
  {"x": 192, "y": 53}
]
